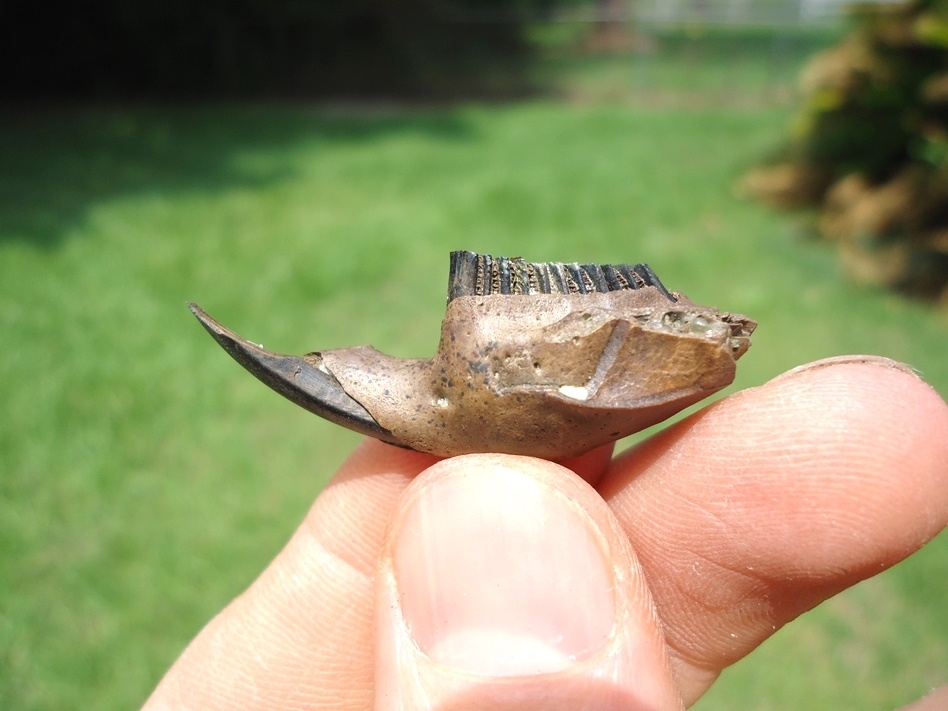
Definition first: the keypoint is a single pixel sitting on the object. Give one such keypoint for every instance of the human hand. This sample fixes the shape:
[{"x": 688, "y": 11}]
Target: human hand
[{"x": 500, "y": 582}]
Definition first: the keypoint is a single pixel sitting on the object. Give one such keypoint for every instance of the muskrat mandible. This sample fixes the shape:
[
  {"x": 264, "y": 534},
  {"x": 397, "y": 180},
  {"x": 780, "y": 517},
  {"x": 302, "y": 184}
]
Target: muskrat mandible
[{"x": 542, "y": 359}]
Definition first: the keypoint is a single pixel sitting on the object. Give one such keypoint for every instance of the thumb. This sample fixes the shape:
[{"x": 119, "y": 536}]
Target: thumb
[{"x": 506, "y": 583}]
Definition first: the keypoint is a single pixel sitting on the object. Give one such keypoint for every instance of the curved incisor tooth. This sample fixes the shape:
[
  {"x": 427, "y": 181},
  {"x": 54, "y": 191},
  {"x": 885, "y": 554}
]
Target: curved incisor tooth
[{"x": 299, "y": 379}]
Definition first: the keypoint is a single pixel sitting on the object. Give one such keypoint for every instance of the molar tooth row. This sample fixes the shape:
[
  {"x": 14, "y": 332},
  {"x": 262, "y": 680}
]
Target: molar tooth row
[{"x": 475, "y": 274}]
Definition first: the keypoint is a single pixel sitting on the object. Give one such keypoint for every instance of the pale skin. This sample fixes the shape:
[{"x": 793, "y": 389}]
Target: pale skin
[{"x": 500, "y": 582}]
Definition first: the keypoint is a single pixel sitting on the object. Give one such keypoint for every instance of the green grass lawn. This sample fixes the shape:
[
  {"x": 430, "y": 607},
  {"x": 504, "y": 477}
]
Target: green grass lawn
[{"x": 145, "y": 478}]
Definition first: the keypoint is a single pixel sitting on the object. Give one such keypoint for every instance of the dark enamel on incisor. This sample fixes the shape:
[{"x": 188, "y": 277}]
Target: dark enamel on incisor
[{"x": 549, "y": 360}]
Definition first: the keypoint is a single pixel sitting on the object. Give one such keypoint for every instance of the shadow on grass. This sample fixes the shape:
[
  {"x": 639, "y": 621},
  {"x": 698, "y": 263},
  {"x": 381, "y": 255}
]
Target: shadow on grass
[{"x": 56, "y": 164}]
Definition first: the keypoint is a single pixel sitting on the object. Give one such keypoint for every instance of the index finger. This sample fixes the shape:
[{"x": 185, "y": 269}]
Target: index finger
[{"x": 760, "y": 507}]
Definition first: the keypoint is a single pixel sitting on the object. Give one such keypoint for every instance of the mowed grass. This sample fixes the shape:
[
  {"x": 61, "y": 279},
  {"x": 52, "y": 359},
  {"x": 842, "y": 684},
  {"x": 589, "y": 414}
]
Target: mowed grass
[{"x": 146, "y": 479}]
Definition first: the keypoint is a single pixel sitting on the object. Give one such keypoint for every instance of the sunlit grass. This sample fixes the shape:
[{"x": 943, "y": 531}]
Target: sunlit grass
[{"x": 145, "y": 479}]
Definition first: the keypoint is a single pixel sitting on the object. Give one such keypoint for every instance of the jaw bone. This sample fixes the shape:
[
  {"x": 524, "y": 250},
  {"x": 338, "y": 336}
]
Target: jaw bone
[{"x": 545, "y": 359}]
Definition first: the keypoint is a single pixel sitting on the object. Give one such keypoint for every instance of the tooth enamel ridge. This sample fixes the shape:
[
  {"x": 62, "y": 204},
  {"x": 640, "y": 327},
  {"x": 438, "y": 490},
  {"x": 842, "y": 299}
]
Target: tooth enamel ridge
[{"x": 474, "y": 274}]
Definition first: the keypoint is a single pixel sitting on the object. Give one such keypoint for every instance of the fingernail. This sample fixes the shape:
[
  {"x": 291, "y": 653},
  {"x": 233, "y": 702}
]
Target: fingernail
[
  {"x": 878, "y": 361},
  {"x": 498, "y": 574}
]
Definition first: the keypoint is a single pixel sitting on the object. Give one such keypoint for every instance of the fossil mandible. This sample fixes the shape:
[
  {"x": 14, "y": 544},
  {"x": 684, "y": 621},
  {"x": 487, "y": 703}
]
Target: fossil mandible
[{"x": 542, "y": 359}]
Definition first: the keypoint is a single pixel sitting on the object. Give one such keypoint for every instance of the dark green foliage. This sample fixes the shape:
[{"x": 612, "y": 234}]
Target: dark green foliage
[
  {"x": 871, "y": 147},
  {"x": 342, "y": 48}
]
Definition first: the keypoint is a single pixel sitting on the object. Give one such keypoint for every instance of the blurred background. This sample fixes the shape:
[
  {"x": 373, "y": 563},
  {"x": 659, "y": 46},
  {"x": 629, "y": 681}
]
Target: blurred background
[{"x": 302, "y": 169}]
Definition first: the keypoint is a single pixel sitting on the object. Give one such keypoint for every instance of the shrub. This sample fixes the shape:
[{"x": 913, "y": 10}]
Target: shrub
[{"x": 870, "y": 148}]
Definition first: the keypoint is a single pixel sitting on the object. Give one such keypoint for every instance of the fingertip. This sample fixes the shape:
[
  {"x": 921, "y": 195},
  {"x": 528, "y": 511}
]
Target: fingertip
[
  {"x": 848, "y": 360},
  {"x": 883, "y": 410},
  {"x": 886, "y": 388},
  {"x": 489, "y": 546},
  {"x": 762, "y": 505},
  {"x": 862, "y": 437},
  {"x": 506, "y": 581}
]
